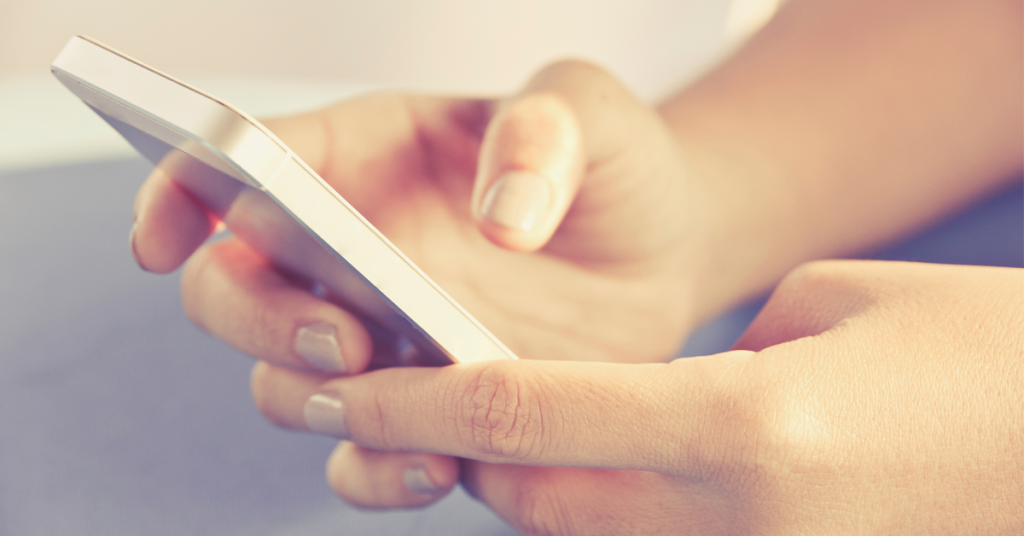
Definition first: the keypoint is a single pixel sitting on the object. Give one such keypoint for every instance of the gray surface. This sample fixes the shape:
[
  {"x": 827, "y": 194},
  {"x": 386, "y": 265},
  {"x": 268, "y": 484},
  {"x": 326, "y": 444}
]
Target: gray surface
[{"x": 118, "y": 417}]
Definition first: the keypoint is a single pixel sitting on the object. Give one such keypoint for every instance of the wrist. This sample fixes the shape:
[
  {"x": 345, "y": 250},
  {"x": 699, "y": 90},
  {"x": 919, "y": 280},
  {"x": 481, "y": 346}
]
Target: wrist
[{"x": 752, "y": 227}]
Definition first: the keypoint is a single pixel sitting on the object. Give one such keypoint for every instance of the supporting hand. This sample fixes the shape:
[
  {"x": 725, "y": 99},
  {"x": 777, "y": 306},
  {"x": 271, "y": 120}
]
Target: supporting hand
[{"x": 867, "y": 396}]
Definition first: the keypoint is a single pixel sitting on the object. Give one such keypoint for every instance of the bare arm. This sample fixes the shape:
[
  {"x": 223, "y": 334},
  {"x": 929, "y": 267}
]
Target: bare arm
[{"x": 846, "y": 124}]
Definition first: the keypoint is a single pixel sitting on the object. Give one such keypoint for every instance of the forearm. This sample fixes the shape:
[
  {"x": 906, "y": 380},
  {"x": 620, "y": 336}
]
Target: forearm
[{"x": 846, "y": 124}]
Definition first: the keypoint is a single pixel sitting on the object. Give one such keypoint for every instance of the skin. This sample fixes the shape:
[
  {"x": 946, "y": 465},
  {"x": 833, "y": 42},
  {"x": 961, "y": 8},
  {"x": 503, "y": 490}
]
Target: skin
[
  {"x": 592, "y": 262},
  {"x": 853, "y": 403},
  {"x": 866, "y": 397}
]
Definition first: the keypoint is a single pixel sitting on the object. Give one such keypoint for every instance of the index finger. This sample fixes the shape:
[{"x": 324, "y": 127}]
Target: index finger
[{"x": 671, "y": 418}]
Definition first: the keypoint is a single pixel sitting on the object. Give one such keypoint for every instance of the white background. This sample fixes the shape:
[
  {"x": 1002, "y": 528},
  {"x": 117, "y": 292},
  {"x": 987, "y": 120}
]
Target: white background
[{"x": 280, "y": 57}]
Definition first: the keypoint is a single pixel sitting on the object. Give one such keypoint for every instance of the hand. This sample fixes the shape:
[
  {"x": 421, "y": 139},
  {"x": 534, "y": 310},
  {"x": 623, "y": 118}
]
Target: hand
[
  {"x": 609, "y": 270},
  {"x": 562, "y": 219},
  {"x": 867, "y": 397}
]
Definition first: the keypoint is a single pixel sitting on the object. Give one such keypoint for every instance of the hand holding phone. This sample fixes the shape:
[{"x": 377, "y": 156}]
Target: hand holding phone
[
  {"x": 610, "y": 276},
  {"x": 269, "y": 197}
]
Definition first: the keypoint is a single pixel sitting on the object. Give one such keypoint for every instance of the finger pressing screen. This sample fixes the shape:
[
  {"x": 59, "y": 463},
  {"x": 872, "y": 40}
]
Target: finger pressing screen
[{"x": 530, "y": 168}]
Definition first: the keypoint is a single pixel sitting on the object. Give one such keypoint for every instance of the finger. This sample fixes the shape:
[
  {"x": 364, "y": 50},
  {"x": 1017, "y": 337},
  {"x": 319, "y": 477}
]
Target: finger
[
  {"x": 363, "y": 477},
  {"x": 365, "y": 149},
  {"x": 530, "y": 169},
  {"x": 810, "y": 300},
  {"x": 537, "y": 147},
  {"x": 232, "y": 292},
  {"x": 550, "y": 500},
  {"x": 662, "y": 417},
  {"x": 376, "y": 479},
  {"x": 169, "y": 224},
  {"x": 353, "y": 141},
  {"x": 280, "y": 393}
]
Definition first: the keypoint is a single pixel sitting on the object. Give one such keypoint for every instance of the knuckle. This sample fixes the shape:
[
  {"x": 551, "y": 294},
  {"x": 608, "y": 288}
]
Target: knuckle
[
  {"x": 811, "y": 275},
  {"x": 847, "y": 279},
  {"x": 816, "y": 296},
  {"x": 380, "y": 437},
  {"x": 498, "y": 414},
  {"x": 771, "y": 432}
]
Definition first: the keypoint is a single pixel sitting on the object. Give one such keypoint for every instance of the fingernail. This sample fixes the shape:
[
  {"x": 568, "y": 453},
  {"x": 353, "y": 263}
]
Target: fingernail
[
  {"x": 318, "y": 345},
  {"x": 418, "y": 481},
  {"x": 325, "y": 414},
  {"x": 131, "y": 244},
  {"x": 518, "y": 200}
]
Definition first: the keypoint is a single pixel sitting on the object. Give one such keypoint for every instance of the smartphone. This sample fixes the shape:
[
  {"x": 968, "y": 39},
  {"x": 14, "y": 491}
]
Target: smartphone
[{"x": 273, "y": 201}]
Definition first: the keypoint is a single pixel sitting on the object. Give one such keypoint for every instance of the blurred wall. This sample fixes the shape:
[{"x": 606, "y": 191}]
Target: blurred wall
[{"x": 462, "y": 45}]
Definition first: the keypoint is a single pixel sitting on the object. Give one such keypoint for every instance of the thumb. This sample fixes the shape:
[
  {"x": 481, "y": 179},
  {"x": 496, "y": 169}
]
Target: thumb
[
  {"x": 550, "y": 413},
  {"x": 536, "y": 150}
]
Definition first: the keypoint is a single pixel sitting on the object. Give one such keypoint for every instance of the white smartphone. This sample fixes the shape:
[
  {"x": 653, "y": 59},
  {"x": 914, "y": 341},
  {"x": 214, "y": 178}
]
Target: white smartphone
[{"x": 268, "y": 197}]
